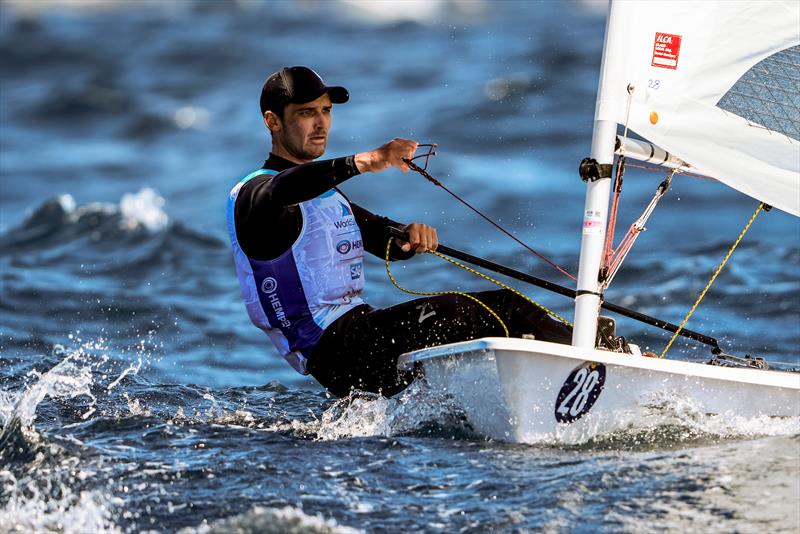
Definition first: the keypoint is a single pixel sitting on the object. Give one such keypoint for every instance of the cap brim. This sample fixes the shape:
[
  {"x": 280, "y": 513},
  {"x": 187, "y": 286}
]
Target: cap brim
[{"x": 339, "y": 95}]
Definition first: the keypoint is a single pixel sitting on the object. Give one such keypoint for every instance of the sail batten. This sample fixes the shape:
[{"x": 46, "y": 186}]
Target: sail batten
[{"x": 717, "y": 84}]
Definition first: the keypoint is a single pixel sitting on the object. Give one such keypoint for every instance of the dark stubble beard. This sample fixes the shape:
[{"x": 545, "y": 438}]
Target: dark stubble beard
[{"x": 302, "y": 154}]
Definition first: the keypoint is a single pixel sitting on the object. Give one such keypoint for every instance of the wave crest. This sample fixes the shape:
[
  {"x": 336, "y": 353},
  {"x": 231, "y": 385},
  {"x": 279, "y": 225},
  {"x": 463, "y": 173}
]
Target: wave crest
[{"x": 286, "y": 520}]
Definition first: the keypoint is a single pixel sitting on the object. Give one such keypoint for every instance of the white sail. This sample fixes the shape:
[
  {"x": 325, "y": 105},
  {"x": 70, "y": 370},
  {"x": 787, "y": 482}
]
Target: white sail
[
  {"x": 699, "y": 71},
  {"x": 716, "y": 83}
]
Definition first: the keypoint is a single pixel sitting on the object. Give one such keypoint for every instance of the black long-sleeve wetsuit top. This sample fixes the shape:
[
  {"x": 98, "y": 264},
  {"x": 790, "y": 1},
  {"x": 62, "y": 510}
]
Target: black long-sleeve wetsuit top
[{"x": 268, "y": 220}]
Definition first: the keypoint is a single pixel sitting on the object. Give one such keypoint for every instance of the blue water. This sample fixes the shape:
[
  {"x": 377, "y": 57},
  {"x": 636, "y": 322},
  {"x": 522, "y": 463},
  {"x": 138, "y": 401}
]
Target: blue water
[{"x": 134, "y": 393}]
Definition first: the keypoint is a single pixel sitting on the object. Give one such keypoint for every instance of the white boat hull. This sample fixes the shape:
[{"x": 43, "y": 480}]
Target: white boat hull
[{"x": 530, "y": 391}]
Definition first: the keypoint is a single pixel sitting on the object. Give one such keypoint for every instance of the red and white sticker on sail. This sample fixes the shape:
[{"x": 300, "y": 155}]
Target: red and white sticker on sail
[{"x": 666, "y": 49}]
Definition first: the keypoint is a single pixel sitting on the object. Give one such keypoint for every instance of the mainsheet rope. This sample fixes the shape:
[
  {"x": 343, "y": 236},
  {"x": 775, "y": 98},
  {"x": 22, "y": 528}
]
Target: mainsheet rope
[{"x": 422, "y": 171}]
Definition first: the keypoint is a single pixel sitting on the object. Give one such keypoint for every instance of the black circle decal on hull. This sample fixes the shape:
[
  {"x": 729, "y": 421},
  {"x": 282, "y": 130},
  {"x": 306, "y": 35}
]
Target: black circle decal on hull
[{"x": 580, "y": 391}]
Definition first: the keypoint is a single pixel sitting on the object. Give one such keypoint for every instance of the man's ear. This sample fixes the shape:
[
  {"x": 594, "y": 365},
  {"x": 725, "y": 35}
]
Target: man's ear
[{"x": 272, "y": 121}]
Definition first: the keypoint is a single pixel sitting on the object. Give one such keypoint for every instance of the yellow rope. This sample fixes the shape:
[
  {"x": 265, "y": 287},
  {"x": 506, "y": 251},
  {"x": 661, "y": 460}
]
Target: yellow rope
[
  {"x": 714, "y": 277},
  {"x": 433, "y": 293},
  {"x": 473, "y": 271},
  {"x": 501, "y": 284}
]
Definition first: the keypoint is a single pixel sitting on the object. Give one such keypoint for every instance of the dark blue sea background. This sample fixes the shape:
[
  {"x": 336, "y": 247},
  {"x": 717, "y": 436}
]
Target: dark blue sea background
[{"x": 135, "y": 395}]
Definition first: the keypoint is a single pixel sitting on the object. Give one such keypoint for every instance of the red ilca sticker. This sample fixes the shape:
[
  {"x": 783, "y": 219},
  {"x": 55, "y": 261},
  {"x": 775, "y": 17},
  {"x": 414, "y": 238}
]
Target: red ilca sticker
[{"x": 666, "y": 50}]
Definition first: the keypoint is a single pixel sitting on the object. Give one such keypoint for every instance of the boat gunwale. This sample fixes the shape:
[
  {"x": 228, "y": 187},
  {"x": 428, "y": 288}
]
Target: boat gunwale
[{"x": 775, "y": 378}]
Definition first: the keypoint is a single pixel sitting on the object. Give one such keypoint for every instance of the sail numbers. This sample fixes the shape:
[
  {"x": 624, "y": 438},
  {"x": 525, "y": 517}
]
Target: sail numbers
[{"x": 580, "y": 391}]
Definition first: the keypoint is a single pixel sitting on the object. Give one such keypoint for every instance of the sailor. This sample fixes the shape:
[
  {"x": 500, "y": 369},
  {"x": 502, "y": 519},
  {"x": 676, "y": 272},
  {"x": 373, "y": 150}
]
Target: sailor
[{"x": 299, "y": 244}]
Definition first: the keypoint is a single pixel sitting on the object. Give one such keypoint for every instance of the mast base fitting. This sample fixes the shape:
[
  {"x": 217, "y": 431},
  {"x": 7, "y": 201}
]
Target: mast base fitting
[
  {"x": 607, "y": 336},
  {"x": 591, "y": 171}
]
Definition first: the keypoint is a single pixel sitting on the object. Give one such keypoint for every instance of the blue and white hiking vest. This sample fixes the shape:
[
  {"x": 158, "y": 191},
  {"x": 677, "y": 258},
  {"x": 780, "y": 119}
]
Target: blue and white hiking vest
[{"x": 295, "y": 296}]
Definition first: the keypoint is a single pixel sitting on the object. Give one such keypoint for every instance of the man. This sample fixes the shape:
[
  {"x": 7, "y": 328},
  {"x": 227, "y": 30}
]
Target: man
[{"x": 298, "y": 246}]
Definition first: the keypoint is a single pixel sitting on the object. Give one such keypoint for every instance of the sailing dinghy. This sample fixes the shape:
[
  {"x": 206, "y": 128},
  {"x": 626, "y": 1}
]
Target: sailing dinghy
[{"x": 712, "y": 88}]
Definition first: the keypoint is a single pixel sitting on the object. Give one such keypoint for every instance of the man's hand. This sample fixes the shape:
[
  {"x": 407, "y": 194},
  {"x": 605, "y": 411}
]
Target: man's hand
[
  {"x": 421, "y": 238},
  {"x": 388, "y": 155}
]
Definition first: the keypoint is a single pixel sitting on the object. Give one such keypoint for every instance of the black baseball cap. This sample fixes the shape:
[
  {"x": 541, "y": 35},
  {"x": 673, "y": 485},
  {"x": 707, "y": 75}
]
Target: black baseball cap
[{"x": 297, "y": 85}]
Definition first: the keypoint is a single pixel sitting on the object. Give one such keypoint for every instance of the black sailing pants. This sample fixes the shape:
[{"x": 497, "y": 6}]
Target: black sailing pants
[{"x": 360, "y": 349}]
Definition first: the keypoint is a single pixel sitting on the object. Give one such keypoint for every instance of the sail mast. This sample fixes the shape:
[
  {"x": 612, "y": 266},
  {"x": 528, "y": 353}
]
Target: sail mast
[
  {"x": 681, "y": 76},
  {"x": 595, "y": 214},
  {"x": 595, "y": 217}
]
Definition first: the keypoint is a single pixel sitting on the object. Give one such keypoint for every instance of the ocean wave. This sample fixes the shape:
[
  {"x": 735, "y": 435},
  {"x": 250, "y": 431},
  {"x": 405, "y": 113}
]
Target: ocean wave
[
  {"x": 43, "y": 486},
  {"x": 77, "y": 373},
  {"x": 66, "y": 380},
  {"x": 260, "y": 519},
  {"x": 89, "y": 235},
  {"x": 59, "y": 220}
]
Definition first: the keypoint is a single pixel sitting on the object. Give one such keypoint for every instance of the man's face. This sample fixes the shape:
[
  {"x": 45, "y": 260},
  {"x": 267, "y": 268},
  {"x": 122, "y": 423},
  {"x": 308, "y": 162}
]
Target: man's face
[{"x": 303, "y": 133}]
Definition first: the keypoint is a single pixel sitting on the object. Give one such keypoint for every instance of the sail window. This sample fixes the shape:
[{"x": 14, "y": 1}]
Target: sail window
[{"x": 768, "y": 95}]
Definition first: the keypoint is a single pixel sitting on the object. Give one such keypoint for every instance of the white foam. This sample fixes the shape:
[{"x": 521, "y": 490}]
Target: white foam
[
  {"x": 287, "y": 520},
  {"x": 66, "y": 380},
  {"x": 44, "y": 499},
  {"x": 363, "y": 415},
  {"x": 665, "y": 420},
  {"x": 31, "y": 508},
  {"x": 670, "y": 418},
  {"x": 133, "y": 368},
  {"x": 140, "y": 210},
  {"x": 143, "y": 209},
  {"x": 67, "y": 202}
]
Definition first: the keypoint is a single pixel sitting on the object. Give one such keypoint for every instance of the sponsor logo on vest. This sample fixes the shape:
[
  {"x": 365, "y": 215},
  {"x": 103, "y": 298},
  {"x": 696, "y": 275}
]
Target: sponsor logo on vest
[
  {"x": 269, "y": 285},
  {"x": 343, "y": 247},
  {"x": 345, "y": 210},
  {"x": 279, "y": 313},
  {"x": 345, "y": 223},
  {"x": 355, "y": 271}
]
